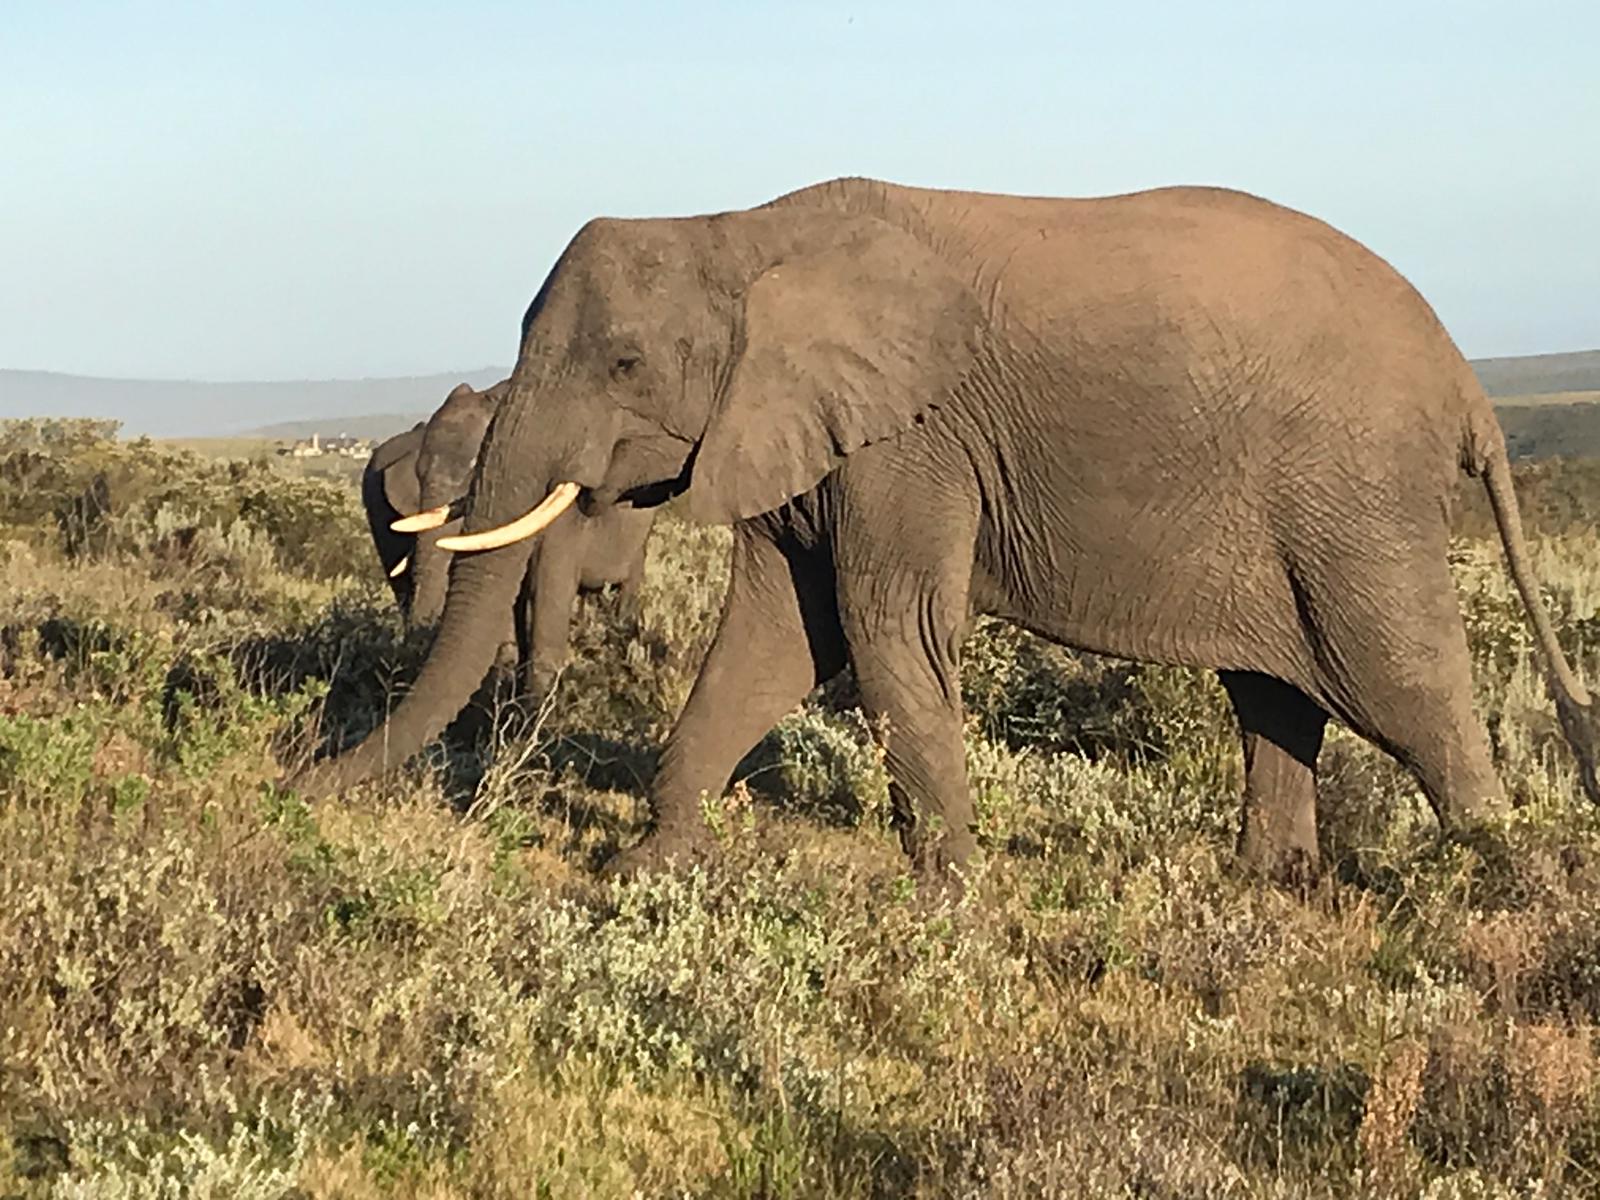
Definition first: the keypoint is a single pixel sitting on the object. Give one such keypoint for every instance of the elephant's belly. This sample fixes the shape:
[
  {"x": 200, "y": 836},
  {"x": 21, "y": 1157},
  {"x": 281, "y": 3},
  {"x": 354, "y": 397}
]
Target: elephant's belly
[{"x": 1194, "y": 610}]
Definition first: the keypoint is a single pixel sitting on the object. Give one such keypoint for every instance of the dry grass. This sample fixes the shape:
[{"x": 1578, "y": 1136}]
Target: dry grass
[{"x": 208, "y": 989}]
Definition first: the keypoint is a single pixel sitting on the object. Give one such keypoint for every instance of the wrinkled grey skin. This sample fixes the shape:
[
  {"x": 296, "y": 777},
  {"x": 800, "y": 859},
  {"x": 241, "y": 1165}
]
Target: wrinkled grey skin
[
  {"x": 1183, "y": 426},
  {"x": 430, "y": 466}
]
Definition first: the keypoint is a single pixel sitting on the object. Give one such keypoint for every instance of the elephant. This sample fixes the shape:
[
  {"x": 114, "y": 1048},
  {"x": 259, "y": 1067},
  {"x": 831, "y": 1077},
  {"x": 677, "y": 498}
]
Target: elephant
[
  {"x": 409, "y": 484},
  {"x": 1185, "y": 426}
]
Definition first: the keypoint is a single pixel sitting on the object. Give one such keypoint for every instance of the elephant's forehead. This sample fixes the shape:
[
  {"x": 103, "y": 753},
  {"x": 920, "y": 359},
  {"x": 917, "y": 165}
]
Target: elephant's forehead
[
  {"x": 612, "y": 254},
  {"x": 624, "y": 284}
]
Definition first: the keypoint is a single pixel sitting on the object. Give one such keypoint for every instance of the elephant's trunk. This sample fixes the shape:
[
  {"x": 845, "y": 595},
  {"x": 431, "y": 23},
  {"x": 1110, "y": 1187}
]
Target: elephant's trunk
[
  {"x": 482, "y": 590},
  {"x": 430, "y": 577}
]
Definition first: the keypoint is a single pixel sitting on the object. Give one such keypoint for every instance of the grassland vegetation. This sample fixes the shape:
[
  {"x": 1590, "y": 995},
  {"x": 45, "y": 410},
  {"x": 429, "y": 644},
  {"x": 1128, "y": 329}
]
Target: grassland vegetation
[{"x": 210, "y": 989}]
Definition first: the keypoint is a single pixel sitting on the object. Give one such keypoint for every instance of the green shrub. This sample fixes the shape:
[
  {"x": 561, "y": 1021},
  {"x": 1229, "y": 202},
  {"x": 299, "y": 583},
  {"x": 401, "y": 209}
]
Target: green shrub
[{"x": 104, "y": 498}]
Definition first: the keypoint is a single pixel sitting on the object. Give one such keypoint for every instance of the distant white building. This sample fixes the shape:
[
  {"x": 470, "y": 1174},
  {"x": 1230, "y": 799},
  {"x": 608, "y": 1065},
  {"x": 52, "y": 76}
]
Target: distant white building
[{"x": 344, "y": 444}]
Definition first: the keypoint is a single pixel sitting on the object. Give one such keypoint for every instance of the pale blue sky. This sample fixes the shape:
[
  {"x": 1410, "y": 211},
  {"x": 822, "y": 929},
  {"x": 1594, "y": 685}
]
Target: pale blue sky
[{"x": 253, "y": 190}]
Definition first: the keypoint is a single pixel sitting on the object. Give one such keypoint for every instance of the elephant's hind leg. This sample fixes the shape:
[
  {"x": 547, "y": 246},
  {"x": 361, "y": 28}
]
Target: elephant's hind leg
[
  {"x": 1282, "y": 730},
  {"x": 1397, "y": 670}
]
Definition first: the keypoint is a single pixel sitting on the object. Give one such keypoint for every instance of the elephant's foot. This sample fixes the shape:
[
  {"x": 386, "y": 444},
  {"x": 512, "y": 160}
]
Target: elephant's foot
[
  {"x": 1278, "y": 840},
  {"x": 1486, "y": 834},
  {"x": 662, "y": 849},
  {"x": 313, "y": 782},
  {"x": 505, "y": 658},
  {"x": 1293, "y": 866},
  {"x": 536, "y": 684},
  {"x": 941, "y": 862},
  {"x": 1475, "y": 817}
]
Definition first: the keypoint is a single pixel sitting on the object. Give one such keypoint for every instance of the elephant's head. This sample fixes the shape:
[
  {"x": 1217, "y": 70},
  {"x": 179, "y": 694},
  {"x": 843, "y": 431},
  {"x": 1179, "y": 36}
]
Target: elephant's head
[
  {"x": 446, "y": 454},
  {"x": 739, "y": 358},
  {"x": 390, "y": 490}
]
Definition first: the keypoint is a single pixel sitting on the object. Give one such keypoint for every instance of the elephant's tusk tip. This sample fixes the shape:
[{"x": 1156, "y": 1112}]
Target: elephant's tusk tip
[
  {"x": 399, "y": 568},
  {"x": 423, "y": 521}
]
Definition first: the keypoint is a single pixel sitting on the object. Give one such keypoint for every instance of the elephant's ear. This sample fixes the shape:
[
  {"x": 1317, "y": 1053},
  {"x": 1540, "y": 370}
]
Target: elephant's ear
[
  {"x": 396, "y": 461},
  {"x": 839, "y": 348},
  {"x": 402, "y": 488},
  {"x": 401, "y": 445}
]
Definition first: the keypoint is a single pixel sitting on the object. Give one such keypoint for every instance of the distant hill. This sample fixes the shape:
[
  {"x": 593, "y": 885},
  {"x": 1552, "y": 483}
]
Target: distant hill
[
  {"x": 1539, "y": 374},
  {"x": 1570, "y": 430},
  {"x": 188, "y": 408},
  {"x": 1547, "y": 402},
  {"x": 1546, "y": 399},
  {"x": 374, "y": 425}
]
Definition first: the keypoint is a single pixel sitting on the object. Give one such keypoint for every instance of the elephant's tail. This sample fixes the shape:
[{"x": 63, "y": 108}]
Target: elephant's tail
[{"x": 1487, "y": 458}]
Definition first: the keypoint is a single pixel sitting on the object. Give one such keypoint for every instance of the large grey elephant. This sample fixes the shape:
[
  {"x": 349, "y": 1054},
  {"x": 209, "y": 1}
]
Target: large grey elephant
[
  {"x": 1184, "y": 426},
  {"x": 410, "y": 483}
]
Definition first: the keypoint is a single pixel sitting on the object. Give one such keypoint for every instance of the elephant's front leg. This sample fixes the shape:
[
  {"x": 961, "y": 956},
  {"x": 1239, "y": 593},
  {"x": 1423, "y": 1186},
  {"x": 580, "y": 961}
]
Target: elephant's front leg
[
  {"x": 547, "y": 603},
  {"x": 630, "y": 598},
  {"x": 778, "y": 638},
  {"x": 904, "y": 578},
  {"x": 1282, "y": 731}
]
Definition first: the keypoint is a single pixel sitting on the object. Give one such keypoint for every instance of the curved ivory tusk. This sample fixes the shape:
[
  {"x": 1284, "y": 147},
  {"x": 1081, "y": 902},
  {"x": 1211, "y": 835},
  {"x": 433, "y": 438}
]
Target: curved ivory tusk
[
  {"x": 560, "y": 499},
  {"x": 399, "y": 568},
  {"x": 421, "y": 522}
]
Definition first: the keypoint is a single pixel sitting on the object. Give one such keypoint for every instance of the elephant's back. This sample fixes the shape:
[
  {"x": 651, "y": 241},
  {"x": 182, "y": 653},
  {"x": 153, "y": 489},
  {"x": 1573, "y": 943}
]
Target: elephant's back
[
  {"x": 1216, "y": 315},
  {"x": 1219, "y": 275}
]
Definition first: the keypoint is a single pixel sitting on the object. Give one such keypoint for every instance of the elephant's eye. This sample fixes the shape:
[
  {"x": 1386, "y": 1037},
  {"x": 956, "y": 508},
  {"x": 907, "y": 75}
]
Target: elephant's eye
[{"x": 624, "y": 366}]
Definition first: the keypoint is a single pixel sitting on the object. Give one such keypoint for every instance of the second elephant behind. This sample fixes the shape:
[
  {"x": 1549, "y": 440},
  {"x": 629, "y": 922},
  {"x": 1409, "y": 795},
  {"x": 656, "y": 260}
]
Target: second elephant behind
[{"x": 427, "y": 468}]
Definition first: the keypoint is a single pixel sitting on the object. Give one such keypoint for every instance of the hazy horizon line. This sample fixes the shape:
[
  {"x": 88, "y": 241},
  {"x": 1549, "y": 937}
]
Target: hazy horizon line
[
  {"x": 362, "y": 378},
  {"x": 486, "y": 367}
]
